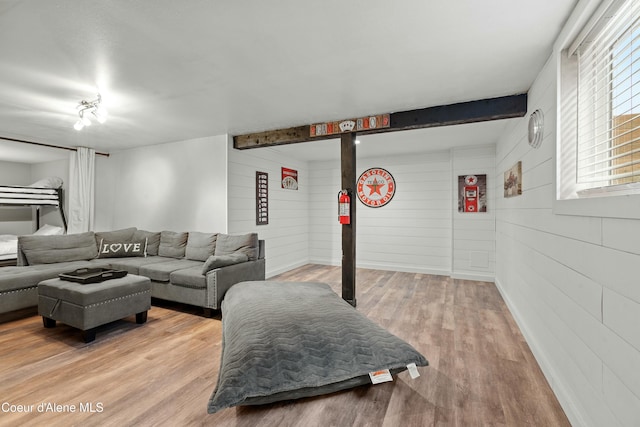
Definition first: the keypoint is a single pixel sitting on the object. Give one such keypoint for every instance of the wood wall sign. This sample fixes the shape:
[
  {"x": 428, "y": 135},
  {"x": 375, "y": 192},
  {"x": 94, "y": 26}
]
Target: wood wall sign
[
  {"x": 376, "y": 187},
  {"x": 350, "y": 125},
  {"x": 262, "y": 198}
]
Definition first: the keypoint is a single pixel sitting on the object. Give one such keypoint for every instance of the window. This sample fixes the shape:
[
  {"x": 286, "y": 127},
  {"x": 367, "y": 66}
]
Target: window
[{"x": 600, "y": 111}]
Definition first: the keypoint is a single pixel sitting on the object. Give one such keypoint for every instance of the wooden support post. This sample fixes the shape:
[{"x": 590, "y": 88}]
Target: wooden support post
[{"x": 348, "y": 166}]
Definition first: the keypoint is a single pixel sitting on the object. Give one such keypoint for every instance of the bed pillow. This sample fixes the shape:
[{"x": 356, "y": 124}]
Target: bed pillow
[
  {"x": 172, "y": 244},
  {"x": 288, "y": 340},
  {"x": 49, "y": 182},
  {"x": 52, "y": 249},
  {"x": 120, "y": 249},
  {"x": 200, "y": 245},
  {"x": 153, "y": 240},
  {"x": 245, "y": 243},
  {"x": 218, "y": 261},
  {"x": 49, "y": 230}
]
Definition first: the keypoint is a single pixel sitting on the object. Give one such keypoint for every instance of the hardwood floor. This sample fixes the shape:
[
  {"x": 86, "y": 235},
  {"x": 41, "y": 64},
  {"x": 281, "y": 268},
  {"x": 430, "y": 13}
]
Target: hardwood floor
[{"x": 162, "y": 373}]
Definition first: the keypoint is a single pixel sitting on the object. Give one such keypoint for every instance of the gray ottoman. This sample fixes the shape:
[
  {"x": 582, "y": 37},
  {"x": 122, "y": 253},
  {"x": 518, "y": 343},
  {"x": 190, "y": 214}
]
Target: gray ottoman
[{"x": 88, "y": 306}]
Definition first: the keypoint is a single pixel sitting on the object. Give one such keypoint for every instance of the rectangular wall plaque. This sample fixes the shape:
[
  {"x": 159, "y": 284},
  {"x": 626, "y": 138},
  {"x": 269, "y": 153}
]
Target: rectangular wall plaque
[{"x": 262, "y": 198}]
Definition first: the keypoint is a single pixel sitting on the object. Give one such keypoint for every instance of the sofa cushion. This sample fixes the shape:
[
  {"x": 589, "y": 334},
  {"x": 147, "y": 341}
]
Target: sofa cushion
[
  {"x": 200, "y": 245},
  {"x": 53, "y": 249},
  {"x": 172, "y": 244},
  {"x": 189, "y": 278},
  {"x": 217, "y": 261},
  {"x": 122, "y": 235},
  {"x": 121, "y": 249},
  {"x": 245, "y": 243},
  {"x": 13, "y": 278},
  {"x": 133, "y": 264},
  {"x": 160, "y": 271},
  {"x": 153, "y": 240}
]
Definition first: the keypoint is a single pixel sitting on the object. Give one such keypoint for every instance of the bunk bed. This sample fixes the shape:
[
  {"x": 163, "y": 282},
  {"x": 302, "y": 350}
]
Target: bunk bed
[{"x": 44, "y": 193}]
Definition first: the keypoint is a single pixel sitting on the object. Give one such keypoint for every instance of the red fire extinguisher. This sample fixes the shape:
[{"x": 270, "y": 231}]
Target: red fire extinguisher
[{"x": 344, "y": 207}]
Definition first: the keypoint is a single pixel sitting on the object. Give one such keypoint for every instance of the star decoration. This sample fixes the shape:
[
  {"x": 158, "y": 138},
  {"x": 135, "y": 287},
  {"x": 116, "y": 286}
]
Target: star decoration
[{"x": 375, "y": 187}]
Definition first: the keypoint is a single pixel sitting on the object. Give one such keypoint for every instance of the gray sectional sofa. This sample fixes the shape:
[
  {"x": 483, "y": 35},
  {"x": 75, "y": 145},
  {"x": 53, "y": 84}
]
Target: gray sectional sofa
[{"x": 188, "y": 267}]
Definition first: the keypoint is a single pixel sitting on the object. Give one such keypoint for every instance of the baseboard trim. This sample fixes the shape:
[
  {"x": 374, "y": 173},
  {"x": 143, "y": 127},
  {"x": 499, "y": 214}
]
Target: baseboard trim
[
  {"x": 564, "y": 397},
  {"x": 474, "y": 276},
  {"x": 271, "y": 273}
]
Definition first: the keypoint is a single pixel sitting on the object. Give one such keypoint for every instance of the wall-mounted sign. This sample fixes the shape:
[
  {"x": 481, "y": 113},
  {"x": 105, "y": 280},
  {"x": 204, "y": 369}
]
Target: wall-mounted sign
[
  {"x": 350, "y": 125},
  {"x": 289, "y": 179},
  {"x": 262, "y": 198},
  {"x": 376, "y": 187},
  {"x": 472, "y": 193}
]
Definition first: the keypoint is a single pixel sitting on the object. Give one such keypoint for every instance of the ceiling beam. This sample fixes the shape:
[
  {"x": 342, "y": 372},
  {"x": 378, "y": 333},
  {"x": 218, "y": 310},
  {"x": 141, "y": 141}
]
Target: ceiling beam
[{"x": 505, "y": 107}]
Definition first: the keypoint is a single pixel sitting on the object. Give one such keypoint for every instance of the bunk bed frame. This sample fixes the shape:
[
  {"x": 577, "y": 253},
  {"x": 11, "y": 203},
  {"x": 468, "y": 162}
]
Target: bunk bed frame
[{"x": 37, "y": 197}]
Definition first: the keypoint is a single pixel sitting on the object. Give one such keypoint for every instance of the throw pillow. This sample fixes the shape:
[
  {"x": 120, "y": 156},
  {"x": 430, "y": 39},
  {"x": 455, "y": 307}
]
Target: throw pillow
[
  {"x": 172, "y": 244},
  {"x": 115, "y": 249},
  {"x": 122, "y": 235},
  {"x": 200, "y": 246},
  {"x": 246, "y": 243},
  {"x": 218, "y": 261},
  {"x": 153, "y": 240}
]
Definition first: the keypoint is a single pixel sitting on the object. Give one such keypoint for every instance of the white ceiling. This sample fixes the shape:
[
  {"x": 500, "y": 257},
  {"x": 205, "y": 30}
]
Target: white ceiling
[{"x": 174, "y": 70}]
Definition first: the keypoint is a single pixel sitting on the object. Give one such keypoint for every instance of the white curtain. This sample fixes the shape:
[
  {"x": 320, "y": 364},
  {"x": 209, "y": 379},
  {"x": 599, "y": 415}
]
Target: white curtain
[{"x": 81, "y": 192}]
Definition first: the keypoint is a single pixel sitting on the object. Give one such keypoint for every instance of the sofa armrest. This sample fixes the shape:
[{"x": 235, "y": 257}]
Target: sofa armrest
[{"x": 221, "y": 279}]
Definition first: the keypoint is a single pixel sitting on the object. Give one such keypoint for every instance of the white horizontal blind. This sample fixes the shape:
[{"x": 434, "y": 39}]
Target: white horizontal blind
[{"x": 608, "y": 151}]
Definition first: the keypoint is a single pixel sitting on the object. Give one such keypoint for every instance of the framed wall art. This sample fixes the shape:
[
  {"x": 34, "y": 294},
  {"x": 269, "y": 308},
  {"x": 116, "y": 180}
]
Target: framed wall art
[
  {"x": 513, "y": 181},
  {"x": 472, "y": 193}
]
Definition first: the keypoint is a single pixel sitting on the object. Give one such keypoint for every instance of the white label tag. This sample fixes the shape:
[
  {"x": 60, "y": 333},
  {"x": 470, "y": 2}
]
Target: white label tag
[
  {"x": 413, "y": 371},
  {"x": 382, "y": 376}
]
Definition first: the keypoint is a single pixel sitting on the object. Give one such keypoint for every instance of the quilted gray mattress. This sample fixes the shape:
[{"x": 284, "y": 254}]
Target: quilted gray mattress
[{"x": 287, "y": 340}]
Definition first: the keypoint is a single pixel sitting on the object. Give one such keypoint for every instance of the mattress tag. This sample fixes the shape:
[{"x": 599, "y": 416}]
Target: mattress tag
[
  {"x": 413, "y": 371},
  {"x": 382, "y": 376}
]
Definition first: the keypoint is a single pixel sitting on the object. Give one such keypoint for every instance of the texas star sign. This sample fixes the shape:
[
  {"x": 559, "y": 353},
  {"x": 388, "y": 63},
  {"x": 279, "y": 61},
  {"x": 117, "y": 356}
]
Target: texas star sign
[{"x": 376, "y": 187}]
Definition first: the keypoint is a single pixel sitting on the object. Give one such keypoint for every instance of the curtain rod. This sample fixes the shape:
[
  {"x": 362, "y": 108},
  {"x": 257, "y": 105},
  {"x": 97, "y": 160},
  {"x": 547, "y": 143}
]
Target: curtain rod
[{"x": 49, "y": 145}]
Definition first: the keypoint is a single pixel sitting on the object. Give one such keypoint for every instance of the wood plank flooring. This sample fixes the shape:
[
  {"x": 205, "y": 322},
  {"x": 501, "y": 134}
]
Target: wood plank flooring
[{"x": 162, "y": 373}]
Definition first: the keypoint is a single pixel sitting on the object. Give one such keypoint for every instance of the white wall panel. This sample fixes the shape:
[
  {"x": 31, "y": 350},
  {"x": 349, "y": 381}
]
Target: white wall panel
[
  {"x": 287, "y": 234},
  {"x": 178, "y": 186},
  {"x": 570, "y": 281},
  {"x": 411, "y": 233}
]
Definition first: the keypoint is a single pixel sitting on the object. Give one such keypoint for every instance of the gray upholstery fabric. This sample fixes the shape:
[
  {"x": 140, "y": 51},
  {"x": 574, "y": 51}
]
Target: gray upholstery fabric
[
  {"x": 153, "y": 240},
  {"x": 160, "y": 271},
  {"x": 217, "y": 261},
  {"x": 287, "y": 340},
  {"x": 122, "y": 235},
  {"x": 189, "y": 278},
  {"x": 88, "y": 306},
  {"x": 132, "y": 265},
  {"x": 53, "y": 249},
  {"x": 200, "y": 245},
  {"x": 246, "y": 243},
  {"x": 172, "y": 244}
]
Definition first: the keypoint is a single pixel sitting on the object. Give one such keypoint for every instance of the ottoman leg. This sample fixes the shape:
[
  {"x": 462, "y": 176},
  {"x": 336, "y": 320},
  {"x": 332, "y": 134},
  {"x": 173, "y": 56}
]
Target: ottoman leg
[
  {"x": 89, "y": 335},
  {"x": 48, "y": 323},
  {"x": 141, "y": 317}
]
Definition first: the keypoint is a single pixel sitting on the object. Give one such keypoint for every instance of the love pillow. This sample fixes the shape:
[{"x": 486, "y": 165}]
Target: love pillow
[{"x": 109, "y": 249}]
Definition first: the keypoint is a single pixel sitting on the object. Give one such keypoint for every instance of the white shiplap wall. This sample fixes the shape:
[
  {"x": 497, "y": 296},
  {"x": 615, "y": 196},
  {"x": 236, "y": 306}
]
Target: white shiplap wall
[
  {"x": 410, "y": 233},
  {"x": 474, "y": 233},
  {"x": 287, "y": 234},
  {"x": 571, "y": 282}
]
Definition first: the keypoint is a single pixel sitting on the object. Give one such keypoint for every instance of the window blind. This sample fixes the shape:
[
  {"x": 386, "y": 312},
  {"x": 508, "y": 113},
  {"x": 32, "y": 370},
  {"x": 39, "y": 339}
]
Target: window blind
[{"x": 608, "y": 151}]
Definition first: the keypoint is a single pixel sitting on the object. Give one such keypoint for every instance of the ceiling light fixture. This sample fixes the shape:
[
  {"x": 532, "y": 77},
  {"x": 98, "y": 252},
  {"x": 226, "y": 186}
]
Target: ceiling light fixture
[{"x": 90, "y": 107}]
